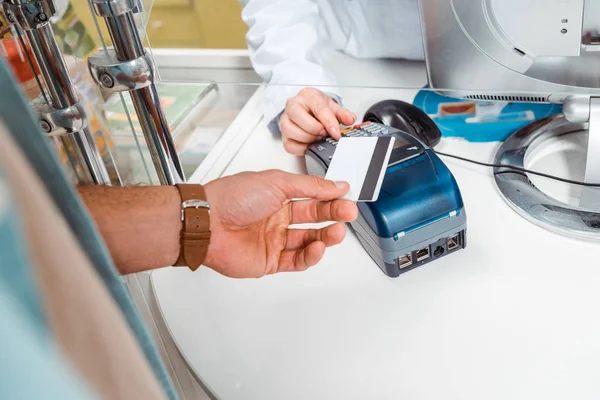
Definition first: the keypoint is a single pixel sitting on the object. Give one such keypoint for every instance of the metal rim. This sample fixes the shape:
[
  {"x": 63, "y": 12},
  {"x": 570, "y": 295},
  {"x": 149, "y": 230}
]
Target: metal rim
[{"x": 525, "y": 198}]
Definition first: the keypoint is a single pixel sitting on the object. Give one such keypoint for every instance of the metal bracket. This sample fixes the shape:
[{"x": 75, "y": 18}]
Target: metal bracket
[
  {"x": 65, "y": 117},
  {"x": 57, "y": 122},
  {"x": 29, "y": 15},
  {"x": 128, "y": 67},
  {"x": 120, "y": 76}
]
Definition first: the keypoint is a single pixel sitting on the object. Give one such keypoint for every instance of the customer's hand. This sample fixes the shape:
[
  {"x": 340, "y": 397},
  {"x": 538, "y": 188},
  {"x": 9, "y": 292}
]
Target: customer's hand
[
  {"x": 310, "y": 116},
  {"x": 250, "y": 214}
]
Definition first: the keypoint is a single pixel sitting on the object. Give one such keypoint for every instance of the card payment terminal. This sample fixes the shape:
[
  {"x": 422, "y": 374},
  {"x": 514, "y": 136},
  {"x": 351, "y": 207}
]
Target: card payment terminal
[{"x": 419, "y": 216}]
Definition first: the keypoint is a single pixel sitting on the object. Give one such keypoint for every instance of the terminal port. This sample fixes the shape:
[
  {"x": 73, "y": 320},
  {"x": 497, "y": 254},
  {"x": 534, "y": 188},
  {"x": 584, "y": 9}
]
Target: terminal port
[
  {"x": 423, "y": 254},
  {"x": 405, "y": 261},
  {"x": 439, "y": 251},
  {"x": 452, "y": 243}
]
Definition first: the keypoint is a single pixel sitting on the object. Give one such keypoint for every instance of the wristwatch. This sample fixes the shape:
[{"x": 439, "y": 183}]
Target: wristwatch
[{"x": 195, "y": 230}]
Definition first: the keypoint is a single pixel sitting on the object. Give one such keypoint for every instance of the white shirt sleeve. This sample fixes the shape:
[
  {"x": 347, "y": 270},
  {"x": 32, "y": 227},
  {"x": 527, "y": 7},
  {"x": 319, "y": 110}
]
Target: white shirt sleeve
[{"x": 286, "y": 45}]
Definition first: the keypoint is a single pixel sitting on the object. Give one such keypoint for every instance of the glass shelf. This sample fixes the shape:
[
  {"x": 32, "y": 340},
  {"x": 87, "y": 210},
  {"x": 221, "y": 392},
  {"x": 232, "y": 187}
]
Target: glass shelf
[{"x": 203, "y": 89}]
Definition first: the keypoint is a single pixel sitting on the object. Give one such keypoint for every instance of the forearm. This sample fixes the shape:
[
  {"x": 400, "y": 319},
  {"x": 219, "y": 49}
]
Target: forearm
[{"x": 140, "y": 225}]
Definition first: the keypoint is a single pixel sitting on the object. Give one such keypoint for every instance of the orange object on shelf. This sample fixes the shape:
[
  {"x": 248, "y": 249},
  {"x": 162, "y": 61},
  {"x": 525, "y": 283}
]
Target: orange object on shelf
[
  {"x": 17, "y": 60},
  {"x": 20, "y": 67}
]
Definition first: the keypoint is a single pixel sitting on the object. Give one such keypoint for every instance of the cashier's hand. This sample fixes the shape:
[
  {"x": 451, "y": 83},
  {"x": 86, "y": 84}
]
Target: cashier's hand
[
  {"x": 250, "y": 214},
  {"x": 310, "y": 116}
]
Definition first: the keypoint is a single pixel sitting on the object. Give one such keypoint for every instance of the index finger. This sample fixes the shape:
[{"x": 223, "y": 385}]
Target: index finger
[
  {"x": 343, "y": 115},
  {"x": 327, "y": 118},
  {"x": 304, "y": 120}
]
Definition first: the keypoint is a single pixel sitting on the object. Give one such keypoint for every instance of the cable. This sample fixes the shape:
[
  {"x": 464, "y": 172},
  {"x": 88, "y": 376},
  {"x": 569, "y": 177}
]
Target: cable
[
  {"x": 31, "y": 65},
  {"x": 519, "y": 169}
]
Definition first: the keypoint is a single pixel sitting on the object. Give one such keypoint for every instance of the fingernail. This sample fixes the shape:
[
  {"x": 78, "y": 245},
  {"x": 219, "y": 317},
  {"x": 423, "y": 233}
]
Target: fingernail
[
  {"x": 334, "y": 130},
  {"x": 354, "y": 116},
  {"x": 341, "y": 184}
]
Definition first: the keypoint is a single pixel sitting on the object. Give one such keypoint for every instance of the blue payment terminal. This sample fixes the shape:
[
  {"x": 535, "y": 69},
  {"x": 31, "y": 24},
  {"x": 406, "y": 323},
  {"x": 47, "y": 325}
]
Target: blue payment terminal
[{"x": 419, "y": 216}]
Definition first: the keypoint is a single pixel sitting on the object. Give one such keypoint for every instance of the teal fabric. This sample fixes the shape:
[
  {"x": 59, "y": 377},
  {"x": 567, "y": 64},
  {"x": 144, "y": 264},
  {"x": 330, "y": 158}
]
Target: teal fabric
[
  {"x": 13, "y": 257},
  {"x": 22, "y": 125},
  {"x": 27, "y": 353},
  {"x": 31, "y": 366}
]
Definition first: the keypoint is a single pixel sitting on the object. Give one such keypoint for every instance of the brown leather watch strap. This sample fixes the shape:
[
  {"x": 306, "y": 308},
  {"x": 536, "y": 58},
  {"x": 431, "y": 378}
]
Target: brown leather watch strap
[{"x": 195, "y": 232}]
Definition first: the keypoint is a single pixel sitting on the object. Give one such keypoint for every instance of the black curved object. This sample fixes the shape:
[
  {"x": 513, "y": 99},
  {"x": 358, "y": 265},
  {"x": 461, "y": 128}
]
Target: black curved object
[{"x": 405, "y": 117}]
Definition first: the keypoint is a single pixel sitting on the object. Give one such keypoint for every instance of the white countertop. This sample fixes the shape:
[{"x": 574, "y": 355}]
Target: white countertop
[{"x": 513, "y": 316}]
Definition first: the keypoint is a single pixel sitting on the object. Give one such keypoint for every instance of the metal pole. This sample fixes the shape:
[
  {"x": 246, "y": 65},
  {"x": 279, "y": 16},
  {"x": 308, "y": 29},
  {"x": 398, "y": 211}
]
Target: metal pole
[
  {"x": 65, "y": 118},
  {"x": 52, "y": 65},
  {"x": 128, "y": 67}
]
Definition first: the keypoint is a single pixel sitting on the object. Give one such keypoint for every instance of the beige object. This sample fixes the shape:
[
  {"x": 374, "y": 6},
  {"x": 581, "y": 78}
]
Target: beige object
[
  {"x": 87, "y": 323},
  {"x": 212, "y": 24}
]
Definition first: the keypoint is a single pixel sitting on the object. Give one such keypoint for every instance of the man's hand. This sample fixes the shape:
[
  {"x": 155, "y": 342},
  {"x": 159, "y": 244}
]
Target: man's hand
[
  {"x": 249, "y": 219},
  {"x": 250, "y": 215},
  {"x": 310, "y": 116}
]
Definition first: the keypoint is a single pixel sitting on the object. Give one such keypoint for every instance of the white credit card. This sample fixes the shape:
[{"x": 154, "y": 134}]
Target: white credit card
[{"x": 362, "y": 162}]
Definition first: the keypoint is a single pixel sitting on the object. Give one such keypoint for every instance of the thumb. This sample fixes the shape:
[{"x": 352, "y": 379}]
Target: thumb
[
  {"x": 343, "y": 115},
  {"x": 311, "y": 187}
]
